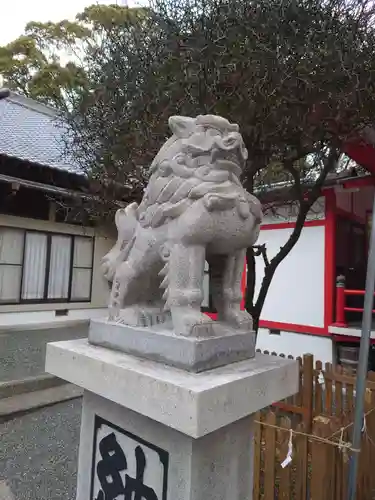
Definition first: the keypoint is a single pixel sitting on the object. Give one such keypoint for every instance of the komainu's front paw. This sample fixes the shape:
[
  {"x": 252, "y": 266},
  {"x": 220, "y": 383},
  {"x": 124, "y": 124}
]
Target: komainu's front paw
[
  {"x": 141, "y": 316},
  {"x": 190, "y": 322},
  {"x": 240, "y": 320}
]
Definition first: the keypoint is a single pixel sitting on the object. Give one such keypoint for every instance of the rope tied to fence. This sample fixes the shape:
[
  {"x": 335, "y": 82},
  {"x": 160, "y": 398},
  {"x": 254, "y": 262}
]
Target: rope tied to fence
[
  {"x": 351, "y": 423},
  {"x": 341, "y": 445}
]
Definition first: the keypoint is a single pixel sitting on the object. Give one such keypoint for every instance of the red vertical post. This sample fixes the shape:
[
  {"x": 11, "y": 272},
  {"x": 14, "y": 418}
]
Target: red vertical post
[
  {"x": 329, "y": 257},
  {"x": 340, "y": 302}
]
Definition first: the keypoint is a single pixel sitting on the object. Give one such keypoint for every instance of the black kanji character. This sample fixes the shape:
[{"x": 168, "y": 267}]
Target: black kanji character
[
  {"x": 136, "y": 485},
  {"x": 108, "y": 469}
]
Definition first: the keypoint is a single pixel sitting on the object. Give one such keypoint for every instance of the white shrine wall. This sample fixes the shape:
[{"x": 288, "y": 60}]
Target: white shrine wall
[{"x": 296, "y": 293}]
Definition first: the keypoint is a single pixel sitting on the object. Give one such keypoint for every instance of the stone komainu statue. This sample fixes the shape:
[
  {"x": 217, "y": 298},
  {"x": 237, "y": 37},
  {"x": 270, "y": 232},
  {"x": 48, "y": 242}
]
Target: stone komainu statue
[{"x": 193, "y": 209}]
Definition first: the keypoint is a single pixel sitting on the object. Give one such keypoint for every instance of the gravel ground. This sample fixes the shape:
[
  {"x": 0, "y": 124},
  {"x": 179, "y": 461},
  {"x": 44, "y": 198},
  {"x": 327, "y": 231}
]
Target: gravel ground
[
  {"x": 38, "y": 453},
  {"x": 22, "y": 354}
]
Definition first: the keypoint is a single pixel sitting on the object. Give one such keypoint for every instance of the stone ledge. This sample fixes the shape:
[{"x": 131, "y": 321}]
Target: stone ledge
[
  {"x": 195, "y": 404},
  {"x": 29, "y": 384},
  {"x": 42, "y": 325},
  {"x": 37, "y": 399}
]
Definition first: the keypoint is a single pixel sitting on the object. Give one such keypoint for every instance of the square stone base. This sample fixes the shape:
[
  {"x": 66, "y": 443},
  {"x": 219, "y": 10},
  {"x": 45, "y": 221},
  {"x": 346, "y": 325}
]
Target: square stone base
[
  {"x": 157, "y": 343},
  {"x": 173, "y": 466},
  {"x": 195, "y": 404},
  {"x": 155, "y": 432}
]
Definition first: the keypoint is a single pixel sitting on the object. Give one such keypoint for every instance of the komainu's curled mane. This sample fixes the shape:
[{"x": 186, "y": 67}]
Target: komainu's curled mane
[
  {"x": 196, "y": 162},
  {"x": 193, "y": 209}
]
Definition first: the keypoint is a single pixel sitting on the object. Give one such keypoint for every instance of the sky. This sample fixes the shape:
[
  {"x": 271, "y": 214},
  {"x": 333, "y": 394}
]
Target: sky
[{"x": 14, "y": 19}]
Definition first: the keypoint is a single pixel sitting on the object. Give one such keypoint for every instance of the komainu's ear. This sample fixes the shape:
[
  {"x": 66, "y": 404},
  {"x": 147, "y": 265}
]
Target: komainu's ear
[{"x": 181, "y": 126}]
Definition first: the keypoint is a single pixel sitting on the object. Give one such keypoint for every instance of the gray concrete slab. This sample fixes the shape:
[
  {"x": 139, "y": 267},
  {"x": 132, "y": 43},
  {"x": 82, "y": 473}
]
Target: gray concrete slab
[{"x": 22, "y": 353}]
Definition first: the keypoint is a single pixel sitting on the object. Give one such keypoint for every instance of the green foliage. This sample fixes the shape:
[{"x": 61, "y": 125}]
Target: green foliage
[
  {"x": 297, "y": 75},
  {"x": 48, "y": 62}
]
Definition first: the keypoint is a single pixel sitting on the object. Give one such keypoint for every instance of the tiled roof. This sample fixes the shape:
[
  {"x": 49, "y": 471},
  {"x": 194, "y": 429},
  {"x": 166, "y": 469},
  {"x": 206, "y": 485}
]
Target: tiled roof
[{"x": 30, "y": 131}]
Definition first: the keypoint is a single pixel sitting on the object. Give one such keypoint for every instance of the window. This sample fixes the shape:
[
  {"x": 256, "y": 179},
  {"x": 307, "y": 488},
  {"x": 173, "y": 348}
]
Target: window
[
  {"x": 206, "y": 287},
  {"x": 59, "y": 268},
  {"x": 44, "y": 267},
  {"x": 34, "y": 266},
  {"x": 207, "y": 305},
  {"x": 11, "y": 256},
  {"x": 82, "y": 269}
]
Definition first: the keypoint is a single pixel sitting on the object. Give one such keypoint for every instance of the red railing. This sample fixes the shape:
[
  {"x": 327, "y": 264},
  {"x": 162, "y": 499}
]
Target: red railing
[{"x": 341, "y": 307}]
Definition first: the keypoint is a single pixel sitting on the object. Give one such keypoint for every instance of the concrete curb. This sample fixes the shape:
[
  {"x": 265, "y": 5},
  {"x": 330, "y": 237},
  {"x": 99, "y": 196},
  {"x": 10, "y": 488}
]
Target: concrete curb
[
  {"x": 23, "y": 403},
  {"x": 30, "y": 384},
  {"x": 22, "y": 327}
]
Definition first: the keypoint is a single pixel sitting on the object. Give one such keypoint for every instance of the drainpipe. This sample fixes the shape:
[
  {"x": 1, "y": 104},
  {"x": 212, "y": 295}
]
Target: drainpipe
[{"x": 362, "y": 365}]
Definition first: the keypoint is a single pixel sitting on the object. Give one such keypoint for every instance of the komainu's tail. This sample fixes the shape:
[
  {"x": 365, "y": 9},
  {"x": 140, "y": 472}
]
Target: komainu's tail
[{"x": 126, "y": 220}]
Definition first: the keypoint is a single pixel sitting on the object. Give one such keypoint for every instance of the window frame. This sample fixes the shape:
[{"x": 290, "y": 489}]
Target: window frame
[{"x": 45, "y": 299}]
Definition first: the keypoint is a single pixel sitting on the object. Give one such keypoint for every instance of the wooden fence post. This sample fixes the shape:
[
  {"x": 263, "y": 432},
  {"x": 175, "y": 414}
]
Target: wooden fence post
[
  {"x": 327, "y": 410},
  {"x": 308, "y": 390},
  {"x": 365, "y": 465},
  {"x": 323, "y": 466},
  {"x": 307, "y": 403},
  {"x": 257, "y": 455},
  {"x": 284, "y": 474},
  {"x": 269, "y": 457},
  {"x": 318, "y": 393}
]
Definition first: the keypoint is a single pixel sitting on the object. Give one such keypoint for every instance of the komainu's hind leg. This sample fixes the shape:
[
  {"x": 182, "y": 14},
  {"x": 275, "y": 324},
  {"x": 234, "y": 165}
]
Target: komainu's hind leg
[
  {"x": 125, "y": 275},
  {"x": 184, "y": 294},
  {"x": 227, "y": 294},
  {"x": 135, "y": 299}
]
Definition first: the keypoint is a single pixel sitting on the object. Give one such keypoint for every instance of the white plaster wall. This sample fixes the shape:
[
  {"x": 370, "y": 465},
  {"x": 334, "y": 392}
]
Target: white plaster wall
[
  {"x": 289, "y": 212},
  {"x": 296, "y": 344},
  {"x": 296, "y": 294}
]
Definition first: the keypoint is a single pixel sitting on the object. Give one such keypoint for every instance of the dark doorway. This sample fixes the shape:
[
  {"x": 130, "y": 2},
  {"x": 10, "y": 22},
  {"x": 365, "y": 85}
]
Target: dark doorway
[{"x": 351, "y": 260}]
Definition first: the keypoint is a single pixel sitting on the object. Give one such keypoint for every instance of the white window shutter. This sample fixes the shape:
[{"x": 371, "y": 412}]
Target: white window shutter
[
  {"x": 59, "y": 268},
  {"x": 206, "y": 286},
  {"x": 83, "y": 249},
  {"x": 11, "y": 253},
  {"x": 81, "y": 284},
  {"x": 34, "y": 270},
  {"x": 82, "y": 268}
]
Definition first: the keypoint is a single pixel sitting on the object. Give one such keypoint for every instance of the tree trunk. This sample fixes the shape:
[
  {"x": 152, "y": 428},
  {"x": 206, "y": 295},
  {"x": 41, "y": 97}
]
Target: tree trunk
[{"x": 250, "y": 280}]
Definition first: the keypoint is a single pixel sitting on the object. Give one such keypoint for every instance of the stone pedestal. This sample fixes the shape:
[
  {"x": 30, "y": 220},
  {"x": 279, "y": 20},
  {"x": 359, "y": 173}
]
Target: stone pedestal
[
  {"x": 163, "y": 433},
  {"x": 158, "y": 343}
]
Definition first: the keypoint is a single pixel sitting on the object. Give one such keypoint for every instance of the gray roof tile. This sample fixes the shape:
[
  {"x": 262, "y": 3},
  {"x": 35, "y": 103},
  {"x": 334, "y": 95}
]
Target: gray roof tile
[{"x": 31, "y": 131}]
